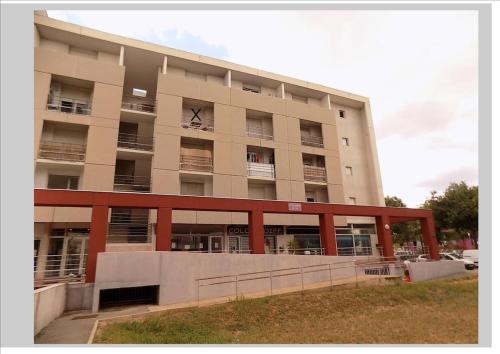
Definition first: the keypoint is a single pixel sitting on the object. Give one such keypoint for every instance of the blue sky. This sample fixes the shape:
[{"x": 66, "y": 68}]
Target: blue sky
[{"x": 419, "y": 69}]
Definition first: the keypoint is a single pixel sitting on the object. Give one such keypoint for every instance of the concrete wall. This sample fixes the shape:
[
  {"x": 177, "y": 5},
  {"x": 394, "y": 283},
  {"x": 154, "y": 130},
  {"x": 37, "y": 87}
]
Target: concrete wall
[
  {"x": 433, "y": 270},
  {"x": 79, "y": 296},
  {"x": 49, "y": 304},
  {"x": 176, "y": 273}
]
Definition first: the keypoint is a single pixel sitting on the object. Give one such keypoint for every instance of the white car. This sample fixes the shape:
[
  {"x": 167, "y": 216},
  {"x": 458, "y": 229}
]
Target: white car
[
  {"x": 452, "y": 257},
  {"x": 422, "y": 258},
  {"x": 472, "y": 255}
]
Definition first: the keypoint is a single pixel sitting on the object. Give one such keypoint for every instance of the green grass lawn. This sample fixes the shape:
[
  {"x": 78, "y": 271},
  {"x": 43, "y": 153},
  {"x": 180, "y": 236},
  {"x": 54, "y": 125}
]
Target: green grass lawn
[{"x": 442, "y": 311}]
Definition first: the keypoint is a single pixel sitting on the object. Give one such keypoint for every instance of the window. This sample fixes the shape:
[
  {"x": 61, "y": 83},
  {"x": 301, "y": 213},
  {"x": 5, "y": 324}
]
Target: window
[
  {"x": 251, "y": 88},
  {"x": 352, "y": 200},
  {"x": 345, "y": 141},
  {"x": 341, "y": 114},
  {"x": 348, "y": 170},
  {"x": 139, "y": 92},
  {"x": 192, "y": 188},
  {"x": 62, "y": 182}
]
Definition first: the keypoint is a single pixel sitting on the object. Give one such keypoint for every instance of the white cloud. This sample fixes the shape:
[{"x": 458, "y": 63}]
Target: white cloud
[{"x": 419, "y": 69}]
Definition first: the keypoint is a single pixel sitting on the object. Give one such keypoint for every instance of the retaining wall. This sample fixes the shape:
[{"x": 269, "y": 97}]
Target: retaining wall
[
  {"x": 49, "y": 303},
  {"x": 432, "y": 270}
]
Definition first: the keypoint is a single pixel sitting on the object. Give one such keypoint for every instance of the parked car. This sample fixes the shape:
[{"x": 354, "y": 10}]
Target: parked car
[
  {"x": 468, "y": 264},
  {"x": 472, "y": 255},
  {"x": 403, "y": 255},
  {"x": 422, "y": 258}
]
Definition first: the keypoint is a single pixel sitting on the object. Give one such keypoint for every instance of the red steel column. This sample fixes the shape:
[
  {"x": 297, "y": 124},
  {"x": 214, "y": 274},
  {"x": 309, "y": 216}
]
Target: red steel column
[
  {"x": 164, "y": 229},
  {"x": 97, "y": 239},
  {"x": 429, "y": 236},
  {"x": 327, "y": 233},
  {"x": 385, "y": 236},
  {"x": 256, "y": 231}
]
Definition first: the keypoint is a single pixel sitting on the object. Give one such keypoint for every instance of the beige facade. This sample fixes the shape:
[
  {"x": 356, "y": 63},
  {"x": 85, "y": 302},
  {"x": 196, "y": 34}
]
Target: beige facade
[{"x": 112, "y": 113}]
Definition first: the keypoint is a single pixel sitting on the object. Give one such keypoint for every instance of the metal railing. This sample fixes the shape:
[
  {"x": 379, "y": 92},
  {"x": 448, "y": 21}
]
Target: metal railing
[
  {"x": 129, "y": 227},
  {"x": 139, "y": 104},
  {"x": 204, "y": 123},
  {"x": 135, "y": 142},
  {"x": 196, "y": 163},
  {"x": 359, "y": 251},
  {"x": 369, "y": 270},
  {"x": 259, "y": 133},
  {"x": 59, "y": 268},
  {"x": 316, "y": 141},
  {"x": 315, "y": 173},
  {"x": 260, "y": 169},
  {"x": 131, "y": 183},
  {"x": 68, "y": 105},
  {"x": 53, "y": 150},
  {"x": 299, "y": 251}
]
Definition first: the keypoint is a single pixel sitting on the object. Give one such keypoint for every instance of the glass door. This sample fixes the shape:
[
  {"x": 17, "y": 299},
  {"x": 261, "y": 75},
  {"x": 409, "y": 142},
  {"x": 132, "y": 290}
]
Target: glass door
[
  {"x": 216, "y": 244},
  {"x": 234, "y": 244}
]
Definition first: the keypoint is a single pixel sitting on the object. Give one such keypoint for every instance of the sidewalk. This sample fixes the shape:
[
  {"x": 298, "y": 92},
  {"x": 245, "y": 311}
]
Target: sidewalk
[{"x": 75, "y": 327}]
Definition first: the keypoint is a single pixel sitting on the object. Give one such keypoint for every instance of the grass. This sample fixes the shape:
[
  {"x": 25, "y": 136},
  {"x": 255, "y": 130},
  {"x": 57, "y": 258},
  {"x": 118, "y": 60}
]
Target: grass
[{"x": 441, "y": 311}]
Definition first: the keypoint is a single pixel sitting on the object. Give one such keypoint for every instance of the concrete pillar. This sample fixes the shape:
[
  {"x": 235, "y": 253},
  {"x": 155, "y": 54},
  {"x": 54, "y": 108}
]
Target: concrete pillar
[
  {"x": 327, "y": 234},
  {"x": 429, "y": 236},
  {"x": 325, "y": 102},
  {"x": 256, "y": 231},
  {"x": 280, "y": 91},
  {"x": 43, "y": 250},
  {"x": 164, "y": 67},
  {"x": 227, "y": 79},
  {"x": 384, "y": 235},
  {"x": 122, "y": 56},
  {"x": 164, "y": 229},
  {"x": 97, "y": 239}
]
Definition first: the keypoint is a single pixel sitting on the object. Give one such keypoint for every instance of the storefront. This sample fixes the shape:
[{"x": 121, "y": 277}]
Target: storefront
[
  {"x": 198, "y": 238},
  {"x": 238, "y": 238}
]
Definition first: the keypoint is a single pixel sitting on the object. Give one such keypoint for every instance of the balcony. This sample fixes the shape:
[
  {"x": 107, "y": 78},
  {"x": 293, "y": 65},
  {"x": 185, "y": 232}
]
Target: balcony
[
  {"x": 135, "y": 142},
  {"x": 199, "y": 124},
  {"x": 259, "y": 133},
  {"x": 139, "y": 104},
  {"x": 68, "y": 105},
  {"x": 129, "y": 226},
  {"x": 315, "y": 174},
  {"x": 255, "y": 169},
  {"x": 196, "y": 163},
  {"x": 59, "y": 151},
  {"x": 129, "y": 183},
  {"x": 316, "y": 141}
]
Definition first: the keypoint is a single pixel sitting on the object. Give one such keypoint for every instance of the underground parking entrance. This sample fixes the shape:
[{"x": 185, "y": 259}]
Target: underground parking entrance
[{"x": 119, "y": 297}]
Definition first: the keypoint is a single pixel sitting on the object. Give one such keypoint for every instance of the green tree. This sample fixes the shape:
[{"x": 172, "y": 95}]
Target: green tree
[
  {"x": 402, "y": 232},
  {"x": 457, "y": 209}
]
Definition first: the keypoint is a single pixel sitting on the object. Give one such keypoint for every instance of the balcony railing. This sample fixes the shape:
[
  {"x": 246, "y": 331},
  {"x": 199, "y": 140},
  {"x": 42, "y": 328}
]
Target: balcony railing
[
  {"x": 129, "y": 183},
  {"x": 135, "y": 142},
  {"x": 139, "y": 104},
  {"x": 68, "y": 105},
  {"x": 196, "y": 163},
  {"x": 59, "y": 268},
  {"x": 260, "y": 169},
  {"x": 316, "y": 141},
  {"x": 52, "y": 150},
  {"x": 202, "y": 124},
  {"x": 315, "y": 173},
  {"x": 259, "y": 133}
]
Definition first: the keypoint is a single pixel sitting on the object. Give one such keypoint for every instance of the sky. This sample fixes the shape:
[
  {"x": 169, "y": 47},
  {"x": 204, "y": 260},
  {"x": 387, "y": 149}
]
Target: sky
[{"x": 418, "y": 68}]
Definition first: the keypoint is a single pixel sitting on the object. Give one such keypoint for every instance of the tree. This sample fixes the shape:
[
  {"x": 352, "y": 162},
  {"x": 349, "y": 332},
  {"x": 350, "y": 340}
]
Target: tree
[
  {"x": 402, "y": 232},
  {"x": 456, "y": 209}
]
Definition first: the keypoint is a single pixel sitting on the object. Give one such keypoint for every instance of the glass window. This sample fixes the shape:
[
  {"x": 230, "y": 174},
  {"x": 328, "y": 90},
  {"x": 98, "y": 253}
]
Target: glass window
[
  {"x": 62, "y": 182},
  {"x": 362, "y": 245},
  {"x": 345, "y": 141},
  {"x": 341, "y": 114},
  {"x": 348, "y": 170},
  {"x": 345, "y": 245}
]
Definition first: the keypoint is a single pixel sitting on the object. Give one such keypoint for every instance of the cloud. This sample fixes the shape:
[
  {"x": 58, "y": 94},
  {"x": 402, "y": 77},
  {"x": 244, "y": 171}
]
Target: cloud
[
  {"x": 443, "y": 143},
  {"x": 441, "y": 181},
  {"x": 416, "y": 119}
]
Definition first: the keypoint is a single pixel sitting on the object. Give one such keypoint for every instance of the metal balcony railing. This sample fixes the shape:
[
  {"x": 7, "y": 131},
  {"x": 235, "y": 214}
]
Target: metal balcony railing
[
  {"x": 139, "y": 104},
  {"x": 316, "y": 141},
  {"x": 135, "y": 142},
  {"x": 259, "y": 133},
  {"x": 68, "y": 105},
  {"x": 59, "y": 268},
  {"x": 196, "y": 163},
  {"x": 260, "y": 169},
  {"x": 127, "y": 227},
  {"x": 129, "y": 183},
  {"x": 53, "y": 150},
  {"x": 315, "y": 173},
  {"x": 201, "y": 124}
]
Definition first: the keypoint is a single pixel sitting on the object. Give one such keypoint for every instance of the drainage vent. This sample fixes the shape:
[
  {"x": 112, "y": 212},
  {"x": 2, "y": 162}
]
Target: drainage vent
[{"x": 140, "y": 295}]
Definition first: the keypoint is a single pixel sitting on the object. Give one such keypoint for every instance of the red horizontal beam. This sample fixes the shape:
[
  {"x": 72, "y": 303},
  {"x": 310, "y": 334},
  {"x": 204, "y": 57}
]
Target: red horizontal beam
[{"x": 71, "y": 198}]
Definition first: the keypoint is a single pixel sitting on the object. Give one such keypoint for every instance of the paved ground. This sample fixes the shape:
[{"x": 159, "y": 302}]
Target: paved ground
[{"x": 75, "y": 327}]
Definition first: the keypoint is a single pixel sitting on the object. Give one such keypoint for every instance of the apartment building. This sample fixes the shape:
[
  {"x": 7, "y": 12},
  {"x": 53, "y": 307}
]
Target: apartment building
[{"x": 117, "y": 114}]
